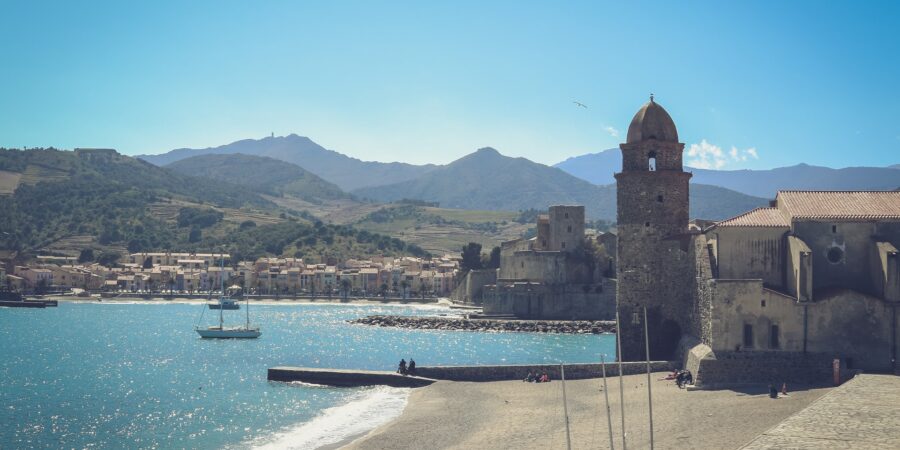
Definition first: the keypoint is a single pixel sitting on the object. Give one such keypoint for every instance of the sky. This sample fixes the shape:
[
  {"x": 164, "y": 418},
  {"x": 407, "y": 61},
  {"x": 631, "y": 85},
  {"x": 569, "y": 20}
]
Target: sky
[{"x": 756, "y": 84}]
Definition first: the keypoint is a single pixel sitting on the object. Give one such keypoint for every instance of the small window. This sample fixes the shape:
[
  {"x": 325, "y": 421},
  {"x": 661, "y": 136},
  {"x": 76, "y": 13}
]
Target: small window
[
  {"x": 651, "y": 161},
  {"x": 567, "y": 215},
  {"x": 762, "y": 303},
  {"x": 563, "y": 245},
  {"x": 834, "y": 228},
  {"x": 523, "y": 264},
  {"x": 570, "y": 228},
  {"x": 646, "y": 224},
  {"x": 659, "y": 198},
  {"x": 748, "y": 335},
  {"x": 773, "y": 337}
]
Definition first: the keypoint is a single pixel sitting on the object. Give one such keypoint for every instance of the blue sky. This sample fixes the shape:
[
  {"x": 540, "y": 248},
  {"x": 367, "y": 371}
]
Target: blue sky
[{"x": 750, "y": 85}]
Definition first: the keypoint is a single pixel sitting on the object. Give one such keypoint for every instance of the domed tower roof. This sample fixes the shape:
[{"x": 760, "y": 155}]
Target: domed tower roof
[{"x": 652, "y": 122}]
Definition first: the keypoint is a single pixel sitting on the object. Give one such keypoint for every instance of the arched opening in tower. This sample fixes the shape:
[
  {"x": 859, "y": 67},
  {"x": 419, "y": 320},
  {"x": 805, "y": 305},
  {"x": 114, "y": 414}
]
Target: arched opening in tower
[{"x": 651, "y": 161}]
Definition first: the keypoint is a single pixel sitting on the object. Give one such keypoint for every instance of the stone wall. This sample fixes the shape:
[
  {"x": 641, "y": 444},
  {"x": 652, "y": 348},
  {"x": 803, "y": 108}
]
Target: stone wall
[
  {"x": 518, "y": 372},
  {"x": 752, "y": 252},
  {"x": 774, "y": 368},
  {"x": 471, "y": 289},
  {"x": 566, "y": 228},
  {"x": 858, "y": 328},
  {"x": 590, "y": 301}
]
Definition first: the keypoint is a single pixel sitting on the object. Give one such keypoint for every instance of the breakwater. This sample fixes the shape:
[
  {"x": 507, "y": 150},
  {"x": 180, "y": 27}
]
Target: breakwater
[
  {"x": 463, "y": 324},
  {"x": 427, "y": 375}
]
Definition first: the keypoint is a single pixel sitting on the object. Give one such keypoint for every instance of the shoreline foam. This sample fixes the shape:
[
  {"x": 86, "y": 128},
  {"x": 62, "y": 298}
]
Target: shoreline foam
[{"x": 343, "y": 424}]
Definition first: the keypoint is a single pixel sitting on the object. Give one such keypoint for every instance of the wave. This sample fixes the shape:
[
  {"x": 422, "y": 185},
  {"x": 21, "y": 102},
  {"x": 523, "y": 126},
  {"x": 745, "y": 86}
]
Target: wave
[{"x": 367, "y": 410}]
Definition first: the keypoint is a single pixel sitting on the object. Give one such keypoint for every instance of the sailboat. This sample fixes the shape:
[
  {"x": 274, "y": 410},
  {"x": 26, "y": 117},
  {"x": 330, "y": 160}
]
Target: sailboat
[{"x": 222, "y": 332}]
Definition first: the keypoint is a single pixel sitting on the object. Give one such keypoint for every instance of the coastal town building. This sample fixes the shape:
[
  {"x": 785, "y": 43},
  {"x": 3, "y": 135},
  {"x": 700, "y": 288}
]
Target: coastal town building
[{"x": 776, "y": 293}]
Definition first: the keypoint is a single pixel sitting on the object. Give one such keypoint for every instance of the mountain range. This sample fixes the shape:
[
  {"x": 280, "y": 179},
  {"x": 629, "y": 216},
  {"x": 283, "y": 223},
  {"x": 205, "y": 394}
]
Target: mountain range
[
  {"x": 266, "y": 175},
  {"x": 346, "y": 172},
  {"x": 487, "y": 180},
  {"x": 598, "y": 168}
]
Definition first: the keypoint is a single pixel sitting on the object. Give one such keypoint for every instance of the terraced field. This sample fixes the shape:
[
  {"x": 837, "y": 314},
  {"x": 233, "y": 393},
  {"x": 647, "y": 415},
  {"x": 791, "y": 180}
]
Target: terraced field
[{"x": 9, "y": 181}]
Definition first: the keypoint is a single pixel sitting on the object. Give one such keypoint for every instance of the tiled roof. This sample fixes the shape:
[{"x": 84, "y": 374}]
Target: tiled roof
[
  {"x": 759, "y": 217},
  {"x": 864, "y": 205}
]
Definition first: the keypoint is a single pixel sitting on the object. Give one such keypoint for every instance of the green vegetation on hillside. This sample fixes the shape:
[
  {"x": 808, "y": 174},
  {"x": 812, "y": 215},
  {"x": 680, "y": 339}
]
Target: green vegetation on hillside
[
  {"x": 266, "y": 175},
  {"x": 316, "y": 242}
]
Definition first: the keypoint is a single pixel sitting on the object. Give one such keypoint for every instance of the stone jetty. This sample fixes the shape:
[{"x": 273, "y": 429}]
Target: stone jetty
[{"x": 463, "y": 324}]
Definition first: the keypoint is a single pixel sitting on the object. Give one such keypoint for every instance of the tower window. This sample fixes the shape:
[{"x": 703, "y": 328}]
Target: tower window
[
  {"x": 646, "y": 224},
  {"x": 563, "y": 245},
  {"x": 651, "y": 161},
  {"x": 762, "y": 303},
  {"x": 834, "y": 228},
  {"x": 570, "y": 228},
  {"x": 659, "y": 198}
]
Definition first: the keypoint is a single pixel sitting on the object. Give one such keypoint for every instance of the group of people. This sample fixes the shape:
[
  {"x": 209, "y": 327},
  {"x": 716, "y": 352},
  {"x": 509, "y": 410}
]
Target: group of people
[
  {"x": 405, "y": 369},
  {"x": 682, "y": 377},
  {"x": 533, "y": 377}
]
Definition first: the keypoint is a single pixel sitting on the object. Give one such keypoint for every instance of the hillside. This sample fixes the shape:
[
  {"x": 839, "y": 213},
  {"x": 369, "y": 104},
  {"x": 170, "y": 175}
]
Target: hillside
[
  {"x": 599, "y": 168},
  {"x": 346, "y": 172},
  {"x": 64, "y": 201},
  {"x": 488, "y": 180},
  {"x": 266, "y": 175}
]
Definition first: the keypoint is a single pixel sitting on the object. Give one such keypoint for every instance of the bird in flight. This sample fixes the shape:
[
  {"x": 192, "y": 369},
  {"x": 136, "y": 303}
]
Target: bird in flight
[{"x": 580, "y": 104}]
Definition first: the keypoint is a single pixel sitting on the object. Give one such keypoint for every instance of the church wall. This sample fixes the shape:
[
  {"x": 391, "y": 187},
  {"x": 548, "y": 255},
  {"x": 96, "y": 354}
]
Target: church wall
[
  {"x": 846, "y": 324},
  {"x": 752, "y": 252},
  {"x": 853, "y": 241},
  {"x": 887, "y": 278},
  {"x": 798, "y": 274}
]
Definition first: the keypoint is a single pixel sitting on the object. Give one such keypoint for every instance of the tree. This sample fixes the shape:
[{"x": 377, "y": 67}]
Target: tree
[
  {"x": 86, "y": 255},
  {"x": 196, "y": 235},
  {"x": 471, "y": 257},
  {"x": 247, "y": 224},
  {"x": 345, "y": 288},
  {"x": 109, "y": 259},
  {"x": 148, "y": 263},
  {"x": 493, "y": 261}
]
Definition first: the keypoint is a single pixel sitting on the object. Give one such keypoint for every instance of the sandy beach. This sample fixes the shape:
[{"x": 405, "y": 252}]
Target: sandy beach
[{"x": 518, "y": 415}]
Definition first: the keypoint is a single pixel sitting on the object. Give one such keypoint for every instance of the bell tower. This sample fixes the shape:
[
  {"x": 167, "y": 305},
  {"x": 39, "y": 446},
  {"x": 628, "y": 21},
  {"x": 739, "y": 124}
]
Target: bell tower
[{"x": 653, "y": 268}]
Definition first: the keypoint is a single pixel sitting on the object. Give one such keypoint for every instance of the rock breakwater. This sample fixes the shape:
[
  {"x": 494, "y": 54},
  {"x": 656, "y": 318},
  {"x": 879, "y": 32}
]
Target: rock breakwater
[{"x": 462, "y": 324}]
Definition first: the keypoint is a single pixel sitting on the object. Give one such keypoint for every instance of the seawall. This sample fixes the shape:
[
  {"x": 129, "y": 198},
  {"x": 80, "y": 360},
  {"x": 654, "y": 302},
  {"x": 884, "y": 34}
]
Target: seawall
[{"x": 427, "y": 375}]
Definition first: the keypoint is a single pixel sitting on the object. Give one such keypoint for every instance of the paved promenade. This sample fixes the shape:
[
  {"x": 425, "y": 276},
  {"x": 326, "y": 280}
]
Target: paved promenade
[{"x": 863, "y": 413}]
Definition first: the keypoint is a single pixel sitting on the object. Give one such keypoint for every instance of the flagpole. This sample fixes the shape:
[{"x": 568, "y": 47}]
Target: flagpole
[
  {"x": 606, "y": 395},
  {"x": 621, "y": 384},
  {"x": 649, "y": 390}
]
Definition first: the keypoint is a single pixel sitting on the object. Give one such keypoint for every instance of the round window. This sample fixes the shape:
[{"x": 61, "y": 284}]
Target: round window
[{"x": 835, "y": 255}]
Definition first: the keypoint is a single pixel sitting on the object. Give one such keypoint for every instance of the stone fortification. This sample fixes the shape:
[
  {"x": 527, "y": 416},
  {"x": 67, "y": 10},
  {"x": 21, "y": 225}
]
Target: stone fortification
[
  {"x": 518, "y": 372},
  {"x": 499, "y": 325}
]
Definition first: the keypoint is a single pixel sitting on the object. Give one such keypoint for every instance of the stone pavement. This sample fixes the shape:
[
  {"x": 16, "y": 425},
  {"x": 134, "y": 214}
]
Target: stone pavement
[{"x": 864, "y": 413}]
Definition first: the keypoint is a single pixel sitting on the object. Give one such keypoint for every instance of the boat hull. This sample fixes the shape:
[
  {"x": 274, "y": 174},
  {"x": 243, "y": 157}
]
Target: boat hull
[
  {"x": 228, "y": 333},
  {"x": 225, "y": 306}
]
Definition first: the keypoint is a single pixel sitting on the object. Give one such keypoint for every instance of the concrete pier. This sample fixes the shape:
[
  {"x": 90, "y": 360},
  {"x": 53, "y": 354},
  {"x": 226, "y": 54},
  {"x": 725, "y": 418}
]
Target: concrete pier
[{"x": 346, "y": 378}]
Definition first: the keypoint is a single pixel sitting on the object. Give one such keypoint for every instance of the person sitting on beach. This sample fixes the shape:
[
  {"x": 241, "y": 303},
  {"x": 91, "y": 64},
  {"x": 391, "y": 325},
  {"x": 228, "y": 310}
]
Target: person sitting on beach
[
  {"x": 411, "y": 369},
  {"x": 545, "y": 378},
  {"x": 402, "y": 369},
  {"x": 679, "y": 378},
  {"x": 529, "y": 378}
]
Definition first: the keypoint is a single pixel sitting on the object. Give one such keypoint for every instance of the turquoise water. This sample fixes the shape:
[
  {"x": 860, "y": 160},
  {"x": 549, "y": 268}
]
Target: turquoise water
[{"x": 136, "y": 375}]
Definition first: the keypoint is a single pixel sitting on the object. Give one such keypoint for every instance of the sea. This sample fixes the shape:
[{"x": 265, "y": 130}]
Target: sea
[{"x": 136, "y": 375}]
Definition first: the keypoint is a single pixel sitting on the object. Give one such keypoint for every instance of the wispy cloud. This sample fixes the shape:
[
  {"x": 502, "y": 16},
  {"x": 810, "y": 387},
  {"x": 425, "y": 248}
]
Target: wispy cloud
[
  {"x": 612, "y": 131},
  {"x": 709, "y": 156}
]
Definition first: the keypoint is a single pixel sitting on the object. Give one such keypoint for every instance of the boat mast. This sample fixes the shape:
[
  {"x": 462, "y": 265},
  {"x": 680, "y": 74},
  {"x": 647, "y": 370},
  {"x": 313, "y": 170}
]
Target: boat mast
[
  {"x": 562, "y": 376},
  {"x": 222, "y": 292}
]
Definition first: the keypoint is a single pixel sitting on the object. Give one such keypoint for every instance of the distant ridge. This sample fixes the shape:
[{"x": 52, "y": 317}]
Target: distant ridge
[
  {"x": 489, "y": 180},
  {"x": 346, "y": 172},
  {"x": 267, "y": 175},
  {"x": 598, "y": 168}
]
